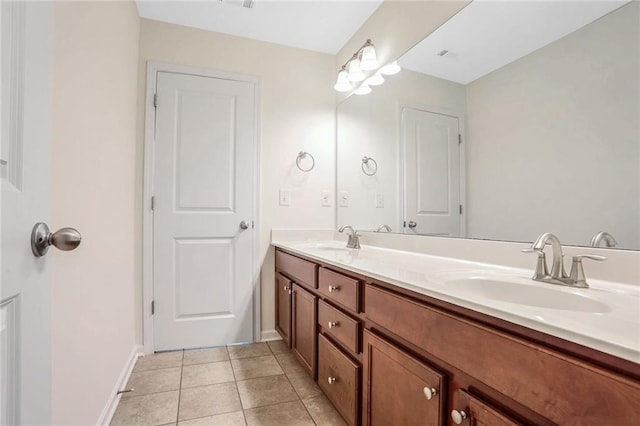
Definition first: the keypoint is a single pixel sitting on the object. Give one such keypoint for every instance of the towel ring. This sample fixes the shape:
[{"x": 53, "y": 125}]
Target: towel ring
[
  {"x": 301, "y": 156},
  {"x": 365, "y": 161}
]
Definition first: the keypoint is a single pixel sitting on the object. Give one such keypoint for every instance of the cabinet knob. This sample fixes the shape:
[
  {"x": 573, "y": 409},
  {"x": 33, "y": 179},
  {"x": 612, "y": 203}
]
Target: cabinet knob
[
  {"x": 333, "y": 324},
  {"x": 430, "y": 392},
  {"x": 333, "y": 288},
  {"x": 331, "y": 380},
  {"x": 458, "y": 416},
  {"x": 285, "y": 288}
]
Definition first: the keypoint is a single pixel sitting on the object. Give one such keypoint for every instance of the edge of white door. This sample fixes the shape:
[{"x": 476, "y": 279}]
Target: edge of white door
[
  {"x": 401, "y": 153},
  {"x": 153, "y": 68}
]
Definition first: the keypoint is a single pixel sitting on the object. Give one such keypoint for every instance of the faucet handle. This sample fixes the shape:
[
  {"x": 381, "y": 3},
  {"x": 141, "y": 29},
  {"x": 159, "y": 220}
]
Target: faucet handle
[
  {"x": 541, "y": 265},
  {"x": 577, "y": 277}
]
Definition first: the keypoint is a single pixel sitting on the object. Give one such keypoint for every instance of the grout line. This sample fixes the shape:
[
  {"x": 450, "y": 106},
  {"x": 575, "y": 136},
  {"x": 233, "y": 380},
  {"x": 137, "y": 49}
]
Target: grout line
[
  {"x": 235, "y": 381},
  {"x": 180, "y": 392},
  {"x": 299, "y": 397}
]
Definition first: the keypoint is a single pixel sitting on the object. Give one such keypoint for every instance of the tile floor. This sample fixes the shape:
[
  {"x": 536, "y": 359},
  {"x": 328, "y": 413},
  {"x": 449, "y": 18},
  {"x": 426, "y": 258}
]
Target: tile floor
[{"x": 257, "y": 384}]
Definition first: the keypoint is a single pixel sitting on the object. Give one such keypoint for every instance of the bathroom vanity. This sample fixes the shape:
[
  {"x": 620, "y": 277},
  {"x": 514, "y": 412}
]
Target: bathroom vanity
[{"x": 389, "y": 342}]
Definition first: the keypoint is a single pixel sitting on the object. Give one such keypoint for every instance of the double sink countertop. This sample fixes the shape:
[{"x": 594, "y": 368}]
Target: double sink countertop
[{"x": 605, "y": 316}]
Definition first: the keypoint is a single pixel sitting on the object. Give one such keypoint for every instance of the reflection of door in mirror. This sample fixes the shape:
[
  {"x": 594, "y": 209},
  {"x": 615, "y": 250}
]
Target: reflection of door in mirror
[{"x": 431, "y": 173}]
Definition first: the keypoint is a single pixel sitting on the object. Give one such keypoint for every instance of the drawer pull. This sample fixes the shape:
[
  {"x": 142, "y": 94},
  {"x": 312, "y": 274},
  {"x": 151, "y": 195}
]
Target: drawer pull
[
  {"x": 458, "y": 416},
  {"x": 333, "y": 324},
  {"x": 430, "y": 392},
  {"x": 331, "y": 380},
  {"x": 333, "y": 288}
]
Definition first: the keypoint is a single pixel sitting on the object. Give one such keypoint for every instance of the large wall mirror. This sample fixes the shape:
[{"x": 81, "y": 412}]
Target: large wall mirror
[{"x": 512, "y": 119}]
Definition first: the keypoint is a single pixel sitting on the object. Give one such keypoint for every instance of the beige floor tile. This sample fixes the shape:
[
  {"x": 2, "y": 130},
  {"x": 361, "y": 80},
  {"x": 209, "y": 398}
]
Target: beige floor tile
[
  {"x": 246, "y": 351},
  {"x": 153, "y": 381},
  {"x": 152, "y": 409},
  {"x": 278, "y": 346},
  {"x": 228, "y": 419},
  {"x": 265, "y": 391},
  {"x": 156, "y": 361},
  {"x": 287, "y": 414},
  {"x": 206, "y": 374},
  {"x": 323, "y": 413},
  {"x": 304, "y": 385},
  {"x": 208, "y": 401},
  {"x": 202, "y": 356},
  {"x": 290, "y": 363},
  {"x": 261, "y": 366}
]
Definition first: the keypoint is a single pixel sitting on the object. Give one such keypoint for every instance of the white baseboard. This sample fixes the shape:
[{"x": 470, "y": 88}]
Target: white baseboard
[
  {"x": 269, "y": 335},
  {"x": 110, "y": 408}
]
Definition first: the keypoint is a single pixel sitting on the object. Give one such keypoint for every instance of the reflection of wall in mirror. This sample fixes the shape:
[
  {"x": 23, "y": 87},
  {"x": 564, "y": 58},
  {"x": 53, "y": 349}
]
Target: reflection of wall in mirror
[
  {"x": 557, "y": 130},
  {"x": 368, "y": 125}
]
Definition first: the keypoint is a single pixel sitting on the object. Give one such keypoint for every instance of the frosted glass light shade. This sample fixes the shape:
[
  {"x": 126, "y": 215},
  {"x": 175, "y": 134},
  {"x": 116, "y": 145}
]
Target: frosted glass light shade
[
  {"x": 355, "y": 72},
  {"x": 363, "y": 90},
  {"x": 390, "y": 69},
  {"x": 343, "y": 84},
  {"x": 368, "y": 60},
  {"x": 376, "y": 80}
]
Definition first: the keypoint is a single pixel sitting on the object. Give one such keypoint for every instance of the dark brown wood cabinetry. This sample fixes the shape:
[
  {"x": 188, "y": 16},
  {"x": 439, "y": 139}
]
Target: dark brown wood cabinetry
[
  {"x": 283, "y": 307},
  {"x": 388, "y": 356}
]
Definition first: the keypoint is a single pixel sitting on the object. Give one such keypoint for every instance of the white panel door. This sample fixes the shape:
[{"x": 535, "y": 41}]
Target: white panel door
[
  {"x": 203, "y": 189},
  {"x": 25, "y": 307},
  {"x": 432, "y": 173}
]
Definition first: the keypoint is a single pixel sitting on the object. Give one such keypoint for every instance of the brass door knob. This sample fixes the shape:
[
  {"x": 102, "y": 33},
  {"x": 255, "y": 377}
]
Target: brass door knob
[{"x": 63, "y": 239}]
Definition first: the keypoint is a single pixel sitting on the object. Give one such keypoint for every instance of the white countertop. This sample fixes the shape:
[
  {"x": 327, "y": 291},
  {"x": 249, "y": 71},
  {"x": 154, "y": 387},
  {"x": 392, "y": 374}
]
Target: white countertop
[{"x": 606, "y": 316}]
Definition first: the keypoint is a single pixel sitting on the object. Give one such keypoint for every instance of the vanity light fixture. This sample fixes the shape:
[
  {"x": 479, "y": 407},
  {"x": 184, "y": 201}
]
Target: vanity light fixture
[
  {"x": 364, "y": 59},
  {"x": 355, "y": 70},
  {"x": 343, "y": 84}
]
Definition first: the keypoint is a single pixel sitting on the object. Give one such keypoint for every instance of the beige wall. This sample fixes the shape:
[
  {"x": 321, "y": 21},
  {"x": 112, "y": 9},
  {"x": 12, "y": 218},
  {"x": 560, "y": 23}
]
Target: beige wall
[
  {"x": 95, "y": 49},
  {"x": 296, "y": 113},
  {"x": 561, "y": 124}
]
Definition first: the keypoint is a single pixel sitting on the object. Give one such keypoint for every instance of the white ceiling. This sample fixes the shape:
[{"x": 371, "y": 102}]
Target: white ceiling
[
  {"x": 489, "y": 34},
  {"x": 320, "y": 25}
]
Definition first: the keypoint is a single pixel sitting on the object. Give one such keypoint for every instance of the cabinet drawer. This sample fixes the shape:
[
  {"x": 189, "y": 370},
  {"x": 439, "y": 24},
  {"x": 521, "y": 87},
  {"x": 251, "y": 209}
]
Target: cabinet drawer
[
  {"x": 338, "y": 325},
  {"x": 338, "y": 377},
  {"x": 553, "y": 384},
  {"x": 340, "y": 288},
  {"x": 482, "y": 413},
  {"x": 398, "y": 388},
  {"x": 301, "y": 270}
]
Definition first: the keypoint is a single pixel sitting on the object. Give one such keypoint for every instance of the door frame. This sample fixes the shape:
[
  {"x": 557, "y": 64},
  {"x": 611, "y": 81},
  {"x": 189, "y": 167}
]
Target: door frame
[
  {"x": 401, "y": 154},
  {"x": 153, "y": 68}
]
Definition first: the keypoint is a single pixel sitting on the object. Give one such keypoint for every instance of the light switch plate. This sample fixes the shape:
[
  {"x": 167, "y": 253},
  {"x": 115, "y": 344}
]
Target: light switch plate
[
  {"x": 379, "y": 201},
  {"x": 285, "y": 196},
  {"x": 325, "y": 198},
  {"x": 343, "y": 199}
]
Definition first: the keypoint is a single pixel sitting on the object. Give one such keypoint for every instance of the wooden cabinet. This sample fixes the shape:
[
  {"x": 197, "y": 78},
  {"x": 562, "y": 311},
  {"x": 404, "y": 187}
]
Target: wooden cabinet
[
  {"x": 398, "y": 388},
  {"x": 340, "y": 326},
  {"x": 283, "y": 307},
  {"x": 340, "y": 289},
  {"x": 303, "y": 330},
  {"x": 479, "y": 413}
]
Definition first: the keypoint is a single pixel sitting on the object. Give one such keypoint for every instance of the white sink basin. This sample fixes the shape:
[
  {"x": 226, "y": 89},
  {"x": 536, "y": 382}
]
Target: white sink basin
[{"x": 531, "y": 295}]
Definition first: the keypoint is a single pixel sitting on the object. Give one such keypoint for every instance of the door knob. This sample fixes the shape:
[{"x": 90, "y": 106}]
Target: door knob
[
  {"x": 64, "y": 239},
  {"x": 244, "y": 225},
  {"x": 412, "y": 224}
]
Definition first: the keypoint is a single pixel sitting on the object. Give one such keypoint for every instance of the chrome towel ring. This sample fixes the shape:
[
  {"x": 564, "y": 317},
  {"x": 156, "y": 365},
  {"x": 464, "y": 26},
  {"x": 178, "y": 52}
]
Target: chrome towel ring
[
  {"x": 300, "y": 157},
  {"x": 365, "y": 162}
]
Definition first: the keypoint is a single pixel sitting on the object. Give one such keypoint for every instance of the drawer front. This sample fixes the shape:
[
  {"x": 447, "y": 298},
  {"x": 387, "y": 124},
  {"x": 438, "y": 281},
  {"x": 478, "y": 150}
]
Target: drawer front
[
  {"x": 398, "y": 388},
  {"x": 558, "y": 387},
  {"x": 301, "y": 270},
  {"x": 303, "y": 330},
  {"x": 338, "y": 377},
  {"x": 340, "y": 289},
  {"x": 484, "y": 414},
  {"x": 339, "y": 326}
]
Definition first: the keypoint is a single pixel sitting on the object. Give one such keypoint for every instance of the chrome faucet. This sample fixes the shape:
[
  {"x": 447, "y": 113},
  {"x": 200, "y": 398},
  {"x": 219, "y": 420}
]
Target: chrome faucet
[
  {"x": 354, "y": 238},
  {"x": 558, "y": 275},
  {"x": 385, "y": 228},
  {"x": 608, "y": 239}
]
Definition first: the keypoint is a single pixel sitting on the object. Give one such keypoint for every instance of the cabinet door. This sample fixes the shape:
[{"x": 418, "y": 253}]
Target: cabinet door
[
  {"x": 283, "y": 308},
  {"x": 398, "y": 388},
  {"x": 474, "y": 411},
  {"x": 304, "y": 316}
]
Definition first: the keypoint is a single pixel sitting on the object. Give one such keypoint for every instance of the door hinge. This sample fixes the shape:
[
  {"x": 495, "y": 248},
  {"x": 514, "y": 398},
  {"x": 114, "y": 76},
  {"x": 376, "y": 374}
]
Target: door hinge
[
  {"x": 153, "y": 202},
  {"x": 153, "y": 307},
  {"x": 460, "y": 208},
  {"x": 459, "y": 139},
  {"x": 253, "y": 225},
  {"x": 155, "y": 100},
  {"x": 404, "y": 224}
]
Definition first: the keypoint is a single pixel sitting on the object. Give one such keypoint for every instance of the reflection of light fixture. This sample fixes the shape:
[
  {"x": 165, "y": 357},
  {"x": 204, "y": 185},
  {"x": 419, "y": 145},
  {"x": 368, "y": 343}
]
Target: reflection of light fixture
[
  {"x": 343, "y": 84},
  {"x": 363, "y": 90},
  {"x": 355, "y": 72},
  {"x": 376, "y": 80},
  {"x": 390, "y": 69}
]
